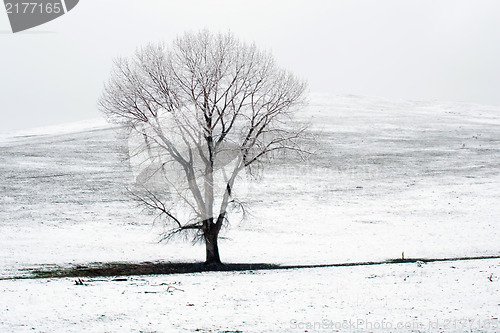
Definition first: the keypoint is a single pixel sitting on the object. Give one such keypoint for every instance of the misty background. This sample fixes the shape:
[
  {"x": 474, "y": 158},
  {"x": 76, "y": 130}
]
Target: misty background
[{"x": 397, "y": 49}]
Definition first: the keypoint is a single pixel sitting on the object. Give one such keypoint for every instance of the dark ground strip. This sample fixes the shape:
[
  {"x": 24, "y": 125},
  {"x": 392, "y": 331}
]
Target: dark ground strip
[{"x": 160, "y": 268}]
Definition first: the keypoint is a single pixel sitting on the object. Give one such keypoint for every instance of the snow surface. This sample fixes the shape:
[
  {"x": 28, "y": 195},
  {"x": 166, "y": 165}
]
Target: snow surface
[
  {"x": 66, "y": 128},
  {"x": 436, "y": 297},
  {"x": 385, "y": 177}
]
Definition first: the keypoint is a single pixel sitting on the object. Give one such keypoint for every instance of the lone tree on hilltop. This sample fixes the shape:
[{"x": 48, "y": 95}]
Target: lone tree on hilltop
[{"x": 200, "y": 111}]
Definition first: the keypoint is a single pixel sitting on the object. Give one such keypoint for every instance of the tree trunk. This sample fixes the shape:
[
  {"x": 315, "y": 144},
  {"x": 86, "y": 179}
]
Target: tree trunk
[{"x": 212, "y": 248}]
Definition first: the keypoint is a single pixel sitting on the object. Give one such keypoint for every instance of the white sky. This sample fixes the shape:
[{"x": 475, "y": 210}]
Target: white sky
[{"x": 399, "y": 49}]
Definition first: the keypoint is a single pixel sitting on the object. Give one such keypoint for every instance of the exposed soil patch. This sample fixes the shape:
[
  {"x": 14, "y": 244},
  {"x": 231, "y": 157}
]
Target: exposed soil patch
[
  {"x": 159, "y": 268},
  {"x": 145, "y": 268}
]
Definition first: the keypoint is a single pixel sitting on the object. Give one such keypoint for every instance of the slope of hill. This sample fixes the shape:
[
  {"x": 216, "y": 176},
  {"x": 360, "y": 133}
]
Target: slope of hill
[{"x": 385, "y": 177}]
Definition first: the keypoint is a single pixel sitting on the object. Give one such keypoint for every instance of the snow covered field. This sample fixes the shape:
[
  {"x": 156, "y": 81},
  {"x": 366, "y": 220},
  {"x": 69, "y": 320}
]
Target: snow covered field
[
  {"x": 437, "y": 297},
  {"x": 386, "y": 177}
]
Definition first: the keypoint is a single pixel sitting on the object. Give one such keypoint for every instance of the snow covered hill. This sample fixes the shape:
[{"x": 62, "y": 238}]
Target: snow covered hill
[{"x": 385, "y": 177}]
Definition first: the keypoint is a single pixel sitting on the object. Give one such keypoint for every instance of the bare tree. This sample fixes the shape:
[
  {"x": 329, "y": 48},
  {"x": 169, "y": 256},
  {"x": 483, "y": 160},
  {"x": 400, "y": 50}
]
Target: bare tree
[{"x": 203, "y": 109}]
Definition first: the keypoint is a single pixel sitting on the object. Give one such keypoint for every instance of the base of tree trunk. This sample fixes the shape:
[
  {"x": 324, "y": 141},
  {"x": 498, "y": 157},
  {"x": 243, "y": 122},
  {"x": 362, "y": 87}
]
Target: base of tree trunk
[
  {"x": 212, "y": 248},
  {"x": 213, "y": 265}
]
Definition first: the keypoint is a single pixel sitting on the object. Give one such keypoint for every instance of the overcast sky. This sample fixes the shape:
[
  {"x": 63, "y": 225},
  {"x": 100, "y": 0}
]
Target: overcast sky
[{"x": 445, "y": 50}]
